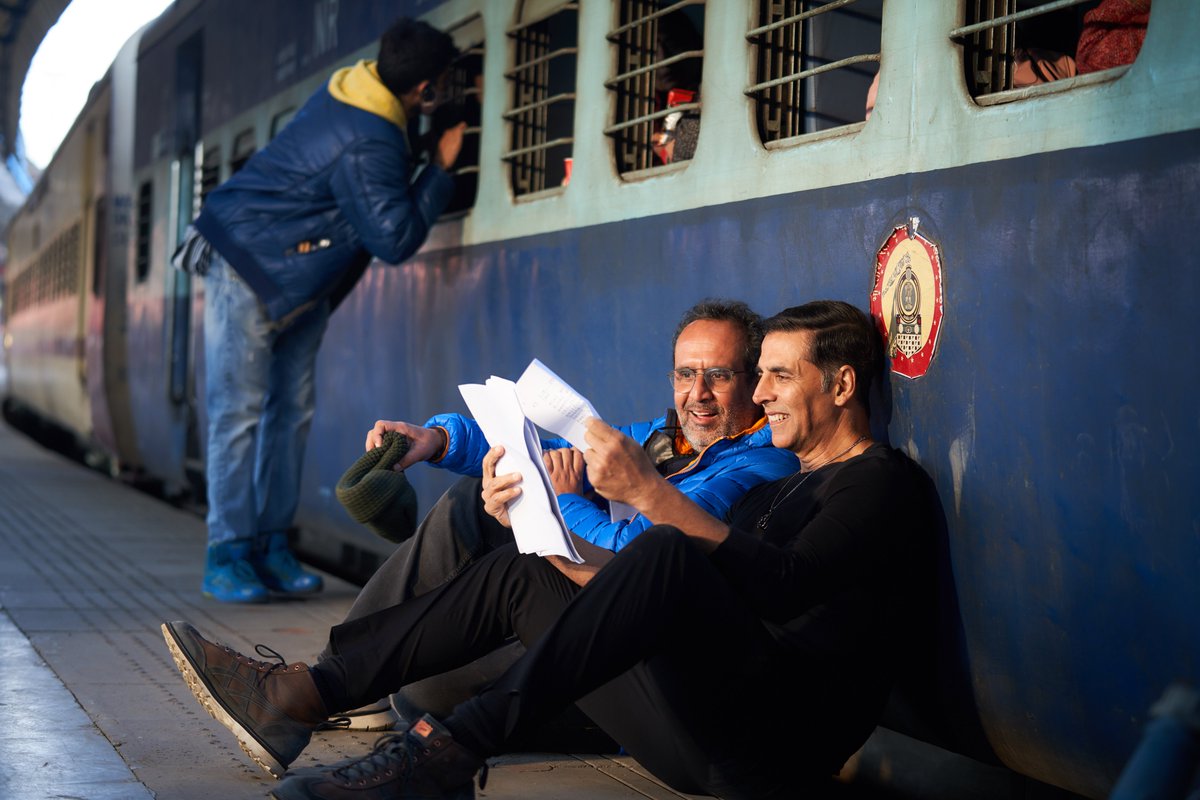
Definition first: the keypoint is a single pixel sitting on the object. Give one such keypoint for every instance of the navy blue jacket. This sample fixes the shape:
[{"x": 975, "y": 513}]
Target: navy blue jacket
[{"x": 300, "y": 222}]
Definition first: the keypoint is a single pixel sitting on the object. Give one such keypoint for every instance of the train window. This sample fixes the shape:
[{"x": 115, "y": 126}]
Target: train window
[
  {"x": 210, "y": 172},
  {"x": 280, "y": 120},
  {"x": 71, "y": 256},
  {"x": 814, "y": 64},
  {"x": 244, "y": 146},
  {"x": 464, "y": 103},
  {"x": 659, "y": 58},
  {"x": 542, "y": 104},
  {"x": 100, "y": 246},
  {"x": 145, "y": 211},
  {"x": 1016, "y": 44}
]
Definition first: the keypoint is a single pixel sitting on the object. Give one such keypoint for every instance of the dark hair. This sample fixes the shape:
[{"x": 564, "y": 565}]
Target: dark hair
[
  {"x": 411, "y": 51},
  {"x": 842, "y": 335},
  {"x": 734, "y": 311},
  {"x": 677, "y": 34}
]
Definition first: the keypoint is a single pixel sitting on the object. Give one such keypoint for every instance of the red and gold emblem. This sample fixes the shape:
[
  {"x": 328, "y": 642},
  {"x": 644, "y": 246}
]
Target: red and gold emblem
[{"x": 906, "y": 299}]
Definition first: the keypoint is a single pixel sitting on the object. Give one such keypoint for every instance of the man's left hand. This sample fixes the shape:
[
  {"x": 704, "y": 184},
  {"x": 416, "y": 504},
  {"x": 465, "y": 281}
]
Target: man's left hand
[{"x": 565, "y": 468}]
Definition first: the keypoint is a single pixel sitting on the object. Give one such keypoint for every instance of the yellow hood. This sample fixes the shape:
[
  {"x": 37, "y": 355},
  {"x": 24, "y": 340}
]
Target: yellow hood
[{"x": 360, "y": 86}]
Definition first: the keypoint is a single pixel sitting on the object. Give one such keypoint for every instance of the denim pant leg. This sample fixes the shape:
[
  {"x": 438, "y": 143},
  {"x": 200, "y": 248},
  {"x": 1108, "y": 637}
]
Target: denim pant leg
[
  {"x": 287, "y": 418},
  {"x": 238, "y": 338}
]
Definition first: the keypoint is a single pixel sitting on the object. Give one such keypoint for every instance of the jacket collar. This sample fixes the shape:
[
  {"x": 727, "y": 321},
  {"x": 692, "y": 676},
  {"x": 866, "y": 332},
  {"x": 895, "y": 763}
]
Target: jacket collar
[{"x": 360, "y": 86}]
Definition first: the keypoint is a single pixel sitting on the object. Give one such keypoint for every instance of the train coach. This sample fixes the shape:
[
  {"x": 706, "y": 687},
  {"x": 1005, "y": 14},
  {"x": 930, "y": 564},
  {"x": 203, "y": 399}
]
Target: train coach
[{"x": 1018, "y": 224}]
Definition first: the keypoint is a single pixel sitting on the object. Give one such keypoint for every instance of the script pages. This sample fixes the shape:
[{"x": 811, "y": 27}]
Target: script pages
[
  {"x": 552, "y": 403},
  {"x": 537, "y": 522}
]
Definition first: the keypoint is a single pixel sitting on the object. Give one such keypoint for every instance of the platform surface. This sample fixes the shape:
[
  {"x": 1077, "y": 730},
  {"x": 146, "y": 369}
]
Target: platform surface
[{"x": 91, "y": 705}]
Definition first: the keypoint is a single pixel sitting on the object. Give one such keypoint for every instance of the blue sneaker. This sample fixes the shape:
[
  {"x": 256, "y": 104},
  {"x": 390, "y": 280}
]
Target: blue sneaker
[
  {"x": 279, "y": 570},
  {"x": 230, "y": 577}
]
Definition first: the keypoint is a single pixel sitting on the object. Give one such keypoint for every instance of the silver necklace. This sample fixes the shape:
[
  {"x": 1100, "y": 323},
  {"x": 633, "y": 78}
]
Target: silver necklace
[{"x": 765, "y": 519}]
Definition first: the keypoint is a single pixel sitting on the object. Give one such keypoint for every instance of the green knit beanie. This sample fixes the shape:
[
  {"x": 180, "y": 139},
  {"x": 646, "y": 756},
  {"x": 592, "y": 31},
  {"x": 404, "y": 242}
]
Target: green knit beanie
[{"x": 376, "y": 495}]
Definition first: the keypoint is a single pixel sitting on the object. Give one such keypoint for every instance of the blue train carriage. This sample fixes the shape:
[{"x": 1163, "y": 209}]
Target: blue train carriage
[
  {"x": 65, "y": 302},
  {"x": 1023, "y": 245}
]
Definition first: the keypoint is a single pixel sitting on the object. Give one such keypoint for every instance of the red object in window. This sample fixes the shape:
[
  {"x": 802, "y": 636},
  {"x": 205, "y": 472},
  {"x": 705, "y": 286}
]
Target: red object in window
[{"x": 677, "y": 97}]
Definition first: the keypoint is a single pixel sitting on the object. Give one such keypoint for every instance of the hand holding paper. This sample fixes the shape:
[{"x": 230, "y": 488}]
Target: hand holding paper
[
  {"x": 537, "y": 523},
  {"x": 551, "y": 403}
]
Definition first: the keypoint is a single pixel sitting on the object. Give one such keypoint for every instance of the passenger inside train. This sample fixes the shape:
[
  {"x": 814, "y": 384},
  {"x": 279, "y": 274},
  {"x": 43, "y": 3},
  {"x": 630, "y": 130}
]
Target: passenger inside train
[
  {"x": 677, "y": 83},
  {"x": 746, "y": 656}
]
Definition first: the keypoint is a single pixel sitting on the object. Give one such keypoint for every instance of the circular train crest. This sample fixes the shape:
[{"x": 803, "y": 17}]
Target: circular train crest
[{"x": 906, "y": 299}]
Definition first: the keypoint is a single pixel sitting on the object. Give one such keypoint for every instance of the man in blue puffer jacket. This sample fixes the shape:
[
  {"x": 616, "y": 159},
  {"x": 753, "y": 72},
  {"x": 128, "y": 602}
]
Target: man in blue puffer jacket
[
  {"x": 714, "y": 445},
  {"x": 279, "y": 244}
]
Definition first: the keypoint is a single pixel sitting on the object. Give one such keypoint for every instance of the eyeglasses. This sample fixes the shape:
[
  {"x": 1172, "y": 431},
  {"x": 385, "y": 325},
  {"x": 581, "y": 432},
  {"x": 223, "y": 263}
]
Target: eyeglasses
[{"x": 716, "y": 378}]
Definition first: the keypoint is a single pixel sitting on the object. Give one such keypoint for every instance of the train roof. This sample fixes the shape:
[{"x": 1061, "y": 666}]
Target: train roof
[{"x": 23, "y": 25}]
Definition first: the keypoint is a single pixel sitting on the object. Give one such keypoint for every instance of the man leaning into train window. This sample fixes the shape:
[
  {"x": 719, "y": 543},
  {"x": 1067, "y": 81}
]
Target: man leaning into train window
[{"x": 280, "y": 244}]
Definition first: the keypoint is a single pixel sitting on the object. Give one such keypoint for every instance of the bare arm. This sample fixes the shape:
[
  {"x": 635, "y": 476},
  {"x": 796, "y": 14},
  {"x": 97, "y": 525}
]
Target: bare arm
[
  {"x": 620, "y": 470},
  {"x": 426, "y": 443}
]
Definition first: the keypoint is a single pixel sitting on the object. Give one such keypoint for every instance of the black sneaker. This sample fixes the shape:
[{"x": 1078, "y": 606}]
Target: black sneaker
[
  {"x": 424, "y": 763},
  {"x": 272, "y": 709}
]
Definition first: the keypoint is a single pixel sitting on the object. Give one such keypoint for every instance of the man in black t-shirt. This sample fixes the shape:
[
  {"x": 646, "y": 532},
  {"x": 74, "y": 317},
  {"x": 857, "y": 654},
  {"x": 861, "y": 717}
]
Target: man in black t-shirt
[{"x": 746, "y": 657}]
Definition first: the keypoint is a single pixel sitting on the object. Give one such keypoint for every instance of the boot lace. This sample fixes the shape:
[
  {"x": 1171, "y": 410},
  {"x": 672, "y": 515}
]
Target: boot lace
[
  {"x": 389, "y": 754},
  {"x": 261, "y": 666}
]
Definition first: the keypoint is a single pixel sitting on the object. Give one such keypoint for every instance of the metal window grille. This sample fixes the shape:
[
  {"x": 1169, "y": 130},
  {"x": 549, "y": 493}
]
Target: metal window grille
[
  {"x": 244, "y": 145},
  {"x": 656, "y": 89},
  {"x": 997, "y": 28},
  {"x": 18, "y": 297},
  {"x": 542, "y": 103},
  {"x": 210, "y": 172},
  {"x": 464, "y": 96},
  {"x": 814, "y": 63},
  {"x": 145, "y": 210},
  {"x": 280, "y": 120}
]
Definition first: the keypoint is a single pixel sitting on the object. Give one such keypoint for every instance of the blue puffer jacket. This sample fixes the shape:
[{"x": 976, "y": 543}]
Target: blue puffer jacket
[
  {"x": 714, "y": 480},
  {"x": 302, "y": 219}
]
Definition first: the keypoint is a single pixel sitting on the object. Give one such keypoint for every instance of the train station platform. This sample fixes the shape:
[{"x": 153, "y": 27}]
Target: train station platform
[{"x": 91, "y": 705}]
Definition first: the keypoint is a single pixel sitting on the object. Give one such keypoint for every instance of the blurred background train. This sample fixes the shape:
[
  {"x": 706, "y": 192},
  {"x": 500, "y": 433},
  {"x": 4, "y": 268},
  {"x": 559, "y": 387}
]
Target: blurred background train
[{"x": 1049, "y": 390}]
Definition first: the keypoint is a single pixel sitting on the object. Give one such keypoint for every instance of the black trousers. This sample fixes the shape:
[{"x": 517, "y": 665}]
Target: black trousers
[
  {"x": 454, "y": 534},
  {"x": 658, "y": 649}
]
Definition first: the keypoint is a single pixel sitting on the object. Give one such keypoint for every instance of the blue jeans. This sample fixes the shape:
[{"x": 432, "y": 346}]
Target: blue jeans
[{"x": 260, "y": 396}]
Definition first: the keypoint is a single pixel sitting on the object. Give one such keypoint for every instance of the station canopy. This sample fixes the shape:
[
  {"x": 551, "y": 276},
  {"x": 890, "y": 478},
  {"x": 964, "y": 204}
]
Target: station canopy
[{"x": 23, "y": 25}]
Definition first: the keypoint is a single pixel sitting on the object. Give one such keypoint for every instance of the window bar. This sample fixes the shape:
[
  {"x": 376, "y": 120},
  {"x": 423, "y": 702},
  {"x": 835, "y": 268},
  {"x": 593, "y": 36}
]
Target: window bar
[
  {"x": 550, "y": 12},
  {"x": 542, "y": 113},
  {"x": 1036, "y": 11},
  {"x": 836, "y": 4},
  {"x": 652, "y": 15},
  {"x": 547, "y": 101},
  {"x": 808, "y": 73},
  {"x": 562, "y": 51},
  {"x": 645, "y": 38},
  {"x": 652, "y": 66},
  {"x": 516, "y": 154},
  {"x": 647, "y": 118}
]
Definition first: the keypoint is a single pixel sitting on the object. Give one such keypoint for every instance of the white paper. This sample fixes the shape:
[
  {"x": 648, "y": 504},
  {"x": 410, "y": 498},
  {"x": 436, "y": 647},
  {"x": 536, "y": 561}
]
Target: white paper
[
  {"x": 551, "y": 403},
  {"x": 618, "y": 511},
  {"x": 537, "y": 522}
]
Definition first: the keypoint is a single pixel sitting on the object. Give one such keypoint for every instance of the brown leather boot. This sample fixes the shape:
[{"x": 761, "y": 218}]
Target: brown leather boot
[
  {"x": 272, "y": 709},
  {"x": 424, "y": 763}
]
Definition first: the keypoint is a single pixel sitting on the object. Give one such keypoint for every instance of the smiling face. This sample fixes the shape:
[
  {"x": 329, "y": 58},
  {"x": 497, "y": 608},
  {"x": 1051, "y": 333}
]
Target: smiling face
[
  {"x": 801, "y": 413},
  {"x": 705, "y": 415}
]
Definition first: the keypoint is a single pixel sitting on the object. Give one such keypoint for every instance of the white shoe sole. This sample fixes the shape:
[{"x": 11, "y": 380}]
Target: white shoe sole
[{"x": 191, "y": 676}]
